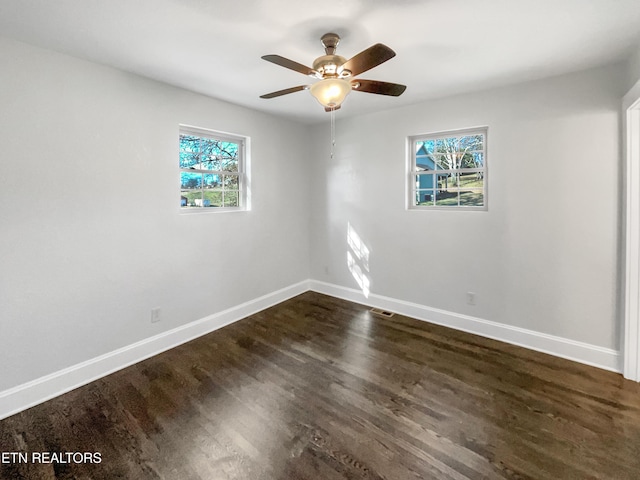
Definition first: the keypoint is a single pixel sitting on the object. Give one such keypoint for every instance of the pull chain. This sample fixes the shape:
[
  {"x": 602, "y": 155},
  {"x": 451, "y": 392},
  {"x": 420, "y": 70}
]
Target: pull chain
[{"x": 333, "y": 131}]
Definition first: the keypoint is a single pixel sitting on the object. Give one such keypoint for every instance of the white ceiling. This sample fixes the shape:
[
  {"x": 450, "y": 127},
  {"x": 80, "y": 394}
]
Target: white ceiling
[{"x": 443, "y": 46}]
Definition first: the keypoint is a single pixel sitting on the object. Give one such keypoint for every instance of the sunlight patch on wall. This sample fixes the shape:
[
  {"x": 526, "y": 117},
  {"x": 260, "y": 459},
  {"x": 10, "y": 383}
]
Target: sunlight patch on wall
[{"x": 358, "y": 259}]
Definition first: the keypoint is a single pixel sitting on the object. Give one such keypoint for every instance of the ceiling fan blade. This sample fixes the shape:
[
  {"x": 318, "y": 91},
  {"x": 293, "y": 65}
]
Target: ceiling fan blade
[
  {"x": 369, "y": 58},
  {"x": 285, "y": 91},
  {"x": 290, "y": 64},
  {"x": 381, "y": 88}
]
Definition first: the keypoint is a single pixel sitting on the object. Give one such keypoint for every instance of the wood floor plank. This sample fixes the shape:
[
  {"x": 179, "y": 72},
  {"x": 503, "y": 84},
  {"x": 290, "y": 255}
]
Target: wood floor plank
[{"x": 320, "y": 388}]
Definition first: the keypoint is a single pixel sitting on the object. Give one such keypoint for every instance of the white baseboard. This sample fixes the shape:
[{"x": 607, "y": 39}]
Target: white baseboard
[
  {"x": 27, "y": 395},
  {"x": 32, "y": 393},
  {"x": 588, "y": 354}
]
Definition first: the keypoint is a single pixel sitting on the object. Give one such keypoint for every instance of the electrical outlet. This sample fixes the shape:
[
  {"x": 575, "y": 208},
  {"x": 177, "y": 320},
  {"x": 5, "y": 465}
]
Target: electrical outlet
[
  {"x": 471, "y": 298},
  {"x": 155, "y": 315}
]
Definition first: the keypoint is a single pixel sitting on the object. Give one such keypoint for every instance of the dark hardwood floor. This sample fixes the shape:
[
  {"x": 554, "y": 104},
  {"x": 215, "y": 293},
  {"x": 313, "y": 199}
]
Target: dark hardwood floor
[{"x": 319, "y": 388}]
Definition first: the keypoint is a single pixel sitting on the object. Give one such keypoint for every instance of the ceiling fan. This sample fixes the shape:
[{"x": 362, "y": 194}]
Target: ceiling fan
[{"x": 336, "y": 74}]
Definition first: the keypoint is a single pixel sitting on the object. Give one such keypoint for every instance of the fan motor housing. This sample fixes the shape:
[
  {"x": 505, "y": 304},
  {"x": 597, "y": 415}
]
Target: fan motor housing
[{"x": 329, "y": 65}]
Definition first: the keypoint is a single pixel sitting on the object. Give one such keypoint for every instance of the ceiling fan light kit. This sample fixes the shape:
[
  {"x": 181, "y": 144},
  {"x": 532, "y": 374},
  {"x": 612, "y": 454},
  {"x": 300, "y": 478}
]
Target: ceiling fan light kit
[
  {"x": 335, "y": 73},
  {"x": 331, "y": 92}
]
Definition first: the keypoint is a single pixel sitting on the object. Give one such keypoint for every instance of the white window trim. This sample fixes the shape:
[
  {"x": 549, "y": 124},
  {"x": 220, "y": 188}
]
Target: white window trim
[
  {"x": 244, "y": 197},
  {"x": 412, "y": 172}
]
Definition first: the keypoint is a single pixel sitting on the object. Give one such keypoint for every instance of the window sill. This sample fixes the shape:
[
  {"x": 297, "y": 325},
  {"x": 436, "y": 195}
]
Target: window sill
[
  {"x": 448, "y": 208},
  {"x": 205, "y": 210}
]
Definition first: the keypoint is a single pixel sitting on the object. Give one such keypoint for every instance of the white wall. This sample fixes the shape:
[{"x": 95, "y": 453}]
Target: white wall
[
  {"x": 543, "y": 257},
  {"x": 91, "y": 236}
]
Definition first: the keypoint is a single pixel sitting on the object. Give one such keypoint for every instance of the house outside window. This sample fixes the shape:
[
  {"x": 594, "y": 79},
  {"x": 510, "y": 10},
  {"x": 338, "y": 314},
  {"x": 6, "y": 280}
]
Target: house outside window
[
  {"x": 448, "y": 170},
  {"x": 212, "y": 170}
]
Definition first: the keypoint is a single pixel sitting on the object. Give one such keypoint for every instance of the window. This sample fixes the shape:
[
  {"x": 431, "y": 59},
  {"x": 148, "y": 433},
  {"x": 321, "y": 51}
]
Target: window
[
  {"x": 448, "y": 170},
  {"x": 212, "y": 170}
]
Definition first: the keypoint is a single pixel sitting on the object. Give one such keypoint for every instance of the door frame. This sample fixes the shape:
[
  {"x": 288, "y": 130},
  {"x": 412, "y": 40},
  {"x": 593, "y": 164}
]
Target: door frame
[{"x": 631, "y": 135}]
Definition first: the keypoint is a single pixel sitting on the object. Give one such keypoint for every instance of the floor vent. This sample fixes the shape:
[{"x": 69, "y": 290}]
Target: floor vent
[{"x": 384, "y": 313}]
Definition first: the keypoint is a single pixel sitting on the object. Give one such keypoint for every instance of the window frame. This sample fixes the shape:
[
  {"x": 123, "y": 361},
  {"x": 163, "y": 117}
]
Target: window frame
[
  {"x": 242, "y": 173},
  {"x": 413, "y": 172}
]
